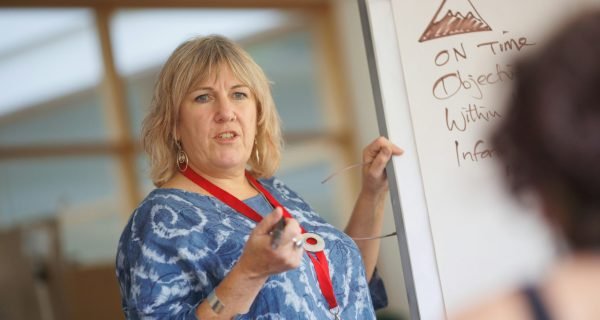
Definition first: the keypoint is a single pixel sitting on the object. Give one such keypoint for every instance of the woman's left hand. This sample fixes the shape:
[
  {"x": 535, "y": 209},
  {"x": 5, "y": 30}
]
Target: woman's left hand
[{"x": 375, "y": 157}]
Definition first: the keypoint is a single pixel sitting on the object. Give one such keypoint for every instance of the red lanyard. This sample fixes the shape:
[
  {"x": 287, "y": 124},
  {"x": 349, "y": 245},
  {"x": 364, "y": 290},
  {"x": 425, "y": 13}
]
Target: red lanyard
[{"x": 319, "y": 260}]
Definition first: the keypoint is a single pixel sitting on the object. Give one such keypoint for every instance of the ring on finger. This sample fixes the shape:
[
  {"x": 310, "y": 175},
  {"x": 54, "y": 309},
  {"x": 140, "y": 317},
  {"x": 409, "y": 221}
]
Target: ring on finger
[{"x": 298, "y": 243}]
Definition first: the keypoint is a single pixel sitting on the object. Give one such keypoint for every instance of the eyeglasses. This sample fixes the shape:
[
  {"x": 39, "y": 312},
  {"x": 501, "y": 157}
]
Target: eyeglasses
[{"x": 357, "y": 165}]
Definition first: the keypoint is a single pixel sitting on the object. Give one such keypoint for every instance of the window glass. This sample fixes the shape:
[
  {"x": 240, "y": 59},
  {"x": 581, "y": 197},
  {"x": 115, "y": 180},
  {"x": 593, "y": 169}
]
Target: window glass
[
  {"x": 46, "y": 54},
  {"x": 143, "y": 173},
  {"x": 143, "y": 39},
  {"x": 139, "y": 90},
  {"x": 294, "y": 84},
  {"x": 303, "y": 168},
  {"x": 90, "y": 231},
  {"x": 74, "y": 119},
  {"x": 42, "y": 187},
  {"x": 306, "y": 181}
]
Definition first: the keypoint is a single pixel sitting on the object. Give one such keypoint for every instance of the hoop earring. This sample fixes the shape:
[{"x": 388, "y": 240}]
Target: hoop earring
[
  {"x": 181, "y": 160},
  {"x": 256, "y": 152}
]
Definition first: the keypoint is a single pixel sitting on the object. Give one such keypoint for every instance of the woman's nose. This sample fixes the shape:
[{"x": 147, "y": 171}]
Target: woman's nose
[{"x": 225, "y": 111}]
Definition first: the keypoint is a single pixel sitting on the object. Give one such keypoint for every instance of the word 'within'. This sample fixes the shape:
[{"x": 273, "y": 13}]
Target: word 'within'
[{"x": 471, "y": 114}]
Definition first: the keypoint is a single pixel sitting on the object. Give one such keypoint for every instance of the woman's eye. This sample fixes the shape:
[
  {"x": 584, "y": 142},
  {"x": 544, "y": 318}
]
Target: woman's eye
[
  {"x": 239, "y": 95},
  {"x": 202, "y": 98}
]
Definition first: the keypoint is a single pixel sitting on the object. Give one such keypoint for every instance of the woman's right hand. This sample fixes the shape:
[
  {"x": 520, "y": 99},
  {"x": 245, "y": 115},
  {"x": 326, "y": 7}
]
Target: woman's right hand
[{"x": 259, "y": 259}]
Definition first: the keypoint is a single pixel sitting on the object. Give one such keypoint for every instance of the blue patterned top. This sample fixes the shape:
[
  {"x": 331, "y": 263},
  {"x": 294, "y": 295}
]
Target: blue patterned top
[{"x": 179, "y": 245}]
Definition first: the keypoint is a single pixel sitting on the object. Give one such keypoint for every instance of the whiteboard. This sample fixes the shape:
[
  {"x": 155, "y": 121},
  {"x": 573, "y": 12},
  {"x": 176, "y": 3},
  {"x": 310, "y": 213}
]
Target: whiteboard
[{"x": 441, "y": 71}]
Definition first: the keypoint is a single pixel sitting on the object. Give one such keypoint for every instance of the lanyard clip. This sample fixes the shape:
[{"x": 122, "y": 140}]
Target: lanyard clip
[{"x": 335, "y": 311}]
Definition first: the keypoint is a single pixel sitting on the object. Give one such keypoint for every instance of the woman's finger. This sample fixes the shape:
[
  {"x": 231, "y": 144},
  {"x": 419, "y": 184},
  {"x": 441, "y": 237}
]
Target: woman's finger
[
  {"x": 397, "y": 151},
  {"x": 371, "y": 151},
  {"x": 378, "y": 165},
  {"x": 374, "y": 149},
  {"x": 292, "y": 230}
]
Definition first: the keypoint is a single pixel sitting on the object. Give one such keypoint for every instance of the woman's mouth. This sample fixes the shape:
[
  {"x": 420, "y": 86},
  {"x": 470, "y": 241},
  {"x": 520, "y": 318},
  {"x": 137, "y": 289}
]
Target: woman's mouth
[{"x": 226, "y": 136}]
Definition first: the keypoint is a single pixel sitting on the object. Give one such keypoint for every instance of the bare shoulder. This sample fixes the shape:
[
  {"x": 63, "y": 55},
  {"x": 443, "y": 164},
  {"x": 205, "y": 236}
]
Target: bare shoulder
[{"x": 509, "y": 305}]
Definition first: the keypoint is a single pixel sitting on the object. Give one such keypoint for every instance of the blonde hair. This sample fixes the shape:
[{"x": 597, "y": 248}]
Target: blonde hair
[{"x": 193, "y": 62}]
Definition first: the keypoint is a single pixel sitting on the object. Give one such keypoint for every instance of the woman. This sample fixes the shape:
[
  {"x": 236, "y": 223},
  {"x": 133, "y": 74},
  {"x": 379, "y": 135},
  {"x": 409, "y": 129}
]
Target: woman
[
  {"x": 210, "y": 241},
  {"x": 550, "y": 141}
]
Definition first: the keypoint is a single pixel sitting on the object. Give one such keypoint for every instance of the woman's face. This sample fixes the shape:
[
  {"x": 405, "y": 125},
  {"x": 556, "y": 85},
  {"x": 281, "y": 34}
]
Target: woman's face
[{"x": 217, "y": 123}]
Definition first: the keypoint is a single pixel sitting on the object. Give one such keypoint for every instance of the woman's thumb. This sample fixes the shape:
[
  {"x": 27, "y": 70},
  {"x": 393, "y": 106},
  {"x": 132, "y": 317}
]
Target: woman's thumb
[{"x": 269, "y": 221}]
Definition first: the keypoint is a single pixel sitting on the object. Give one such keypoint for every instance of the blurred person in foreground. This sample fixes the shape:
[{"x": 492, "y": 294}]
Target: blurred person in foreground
[
  {"x": 550, "y": 141},
  {"x": 210, "y": 241}
]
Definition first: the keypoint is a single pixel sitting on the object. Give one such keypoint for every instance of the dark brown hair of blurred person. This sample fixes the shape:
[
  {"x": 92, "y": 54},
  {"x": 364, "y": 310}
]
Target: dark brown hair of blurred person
[{"x": 550, "y": 141}]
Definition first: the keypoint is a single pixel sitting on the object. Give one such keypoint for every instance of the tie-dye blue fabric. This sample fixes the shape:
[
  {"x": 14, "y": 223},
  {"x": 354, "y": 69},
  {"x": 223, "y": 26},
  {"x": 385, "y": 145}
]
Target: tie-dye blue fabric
[{"x": 179, "y": 245}]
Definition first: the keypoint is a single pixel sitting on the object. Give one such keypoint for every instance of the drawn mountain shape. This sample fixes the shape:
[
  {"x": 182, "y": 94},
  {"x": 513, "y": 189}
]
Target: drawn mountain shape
[
  {"x": 454, "y": 17},
  {"x": 460, "y": 15}
]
